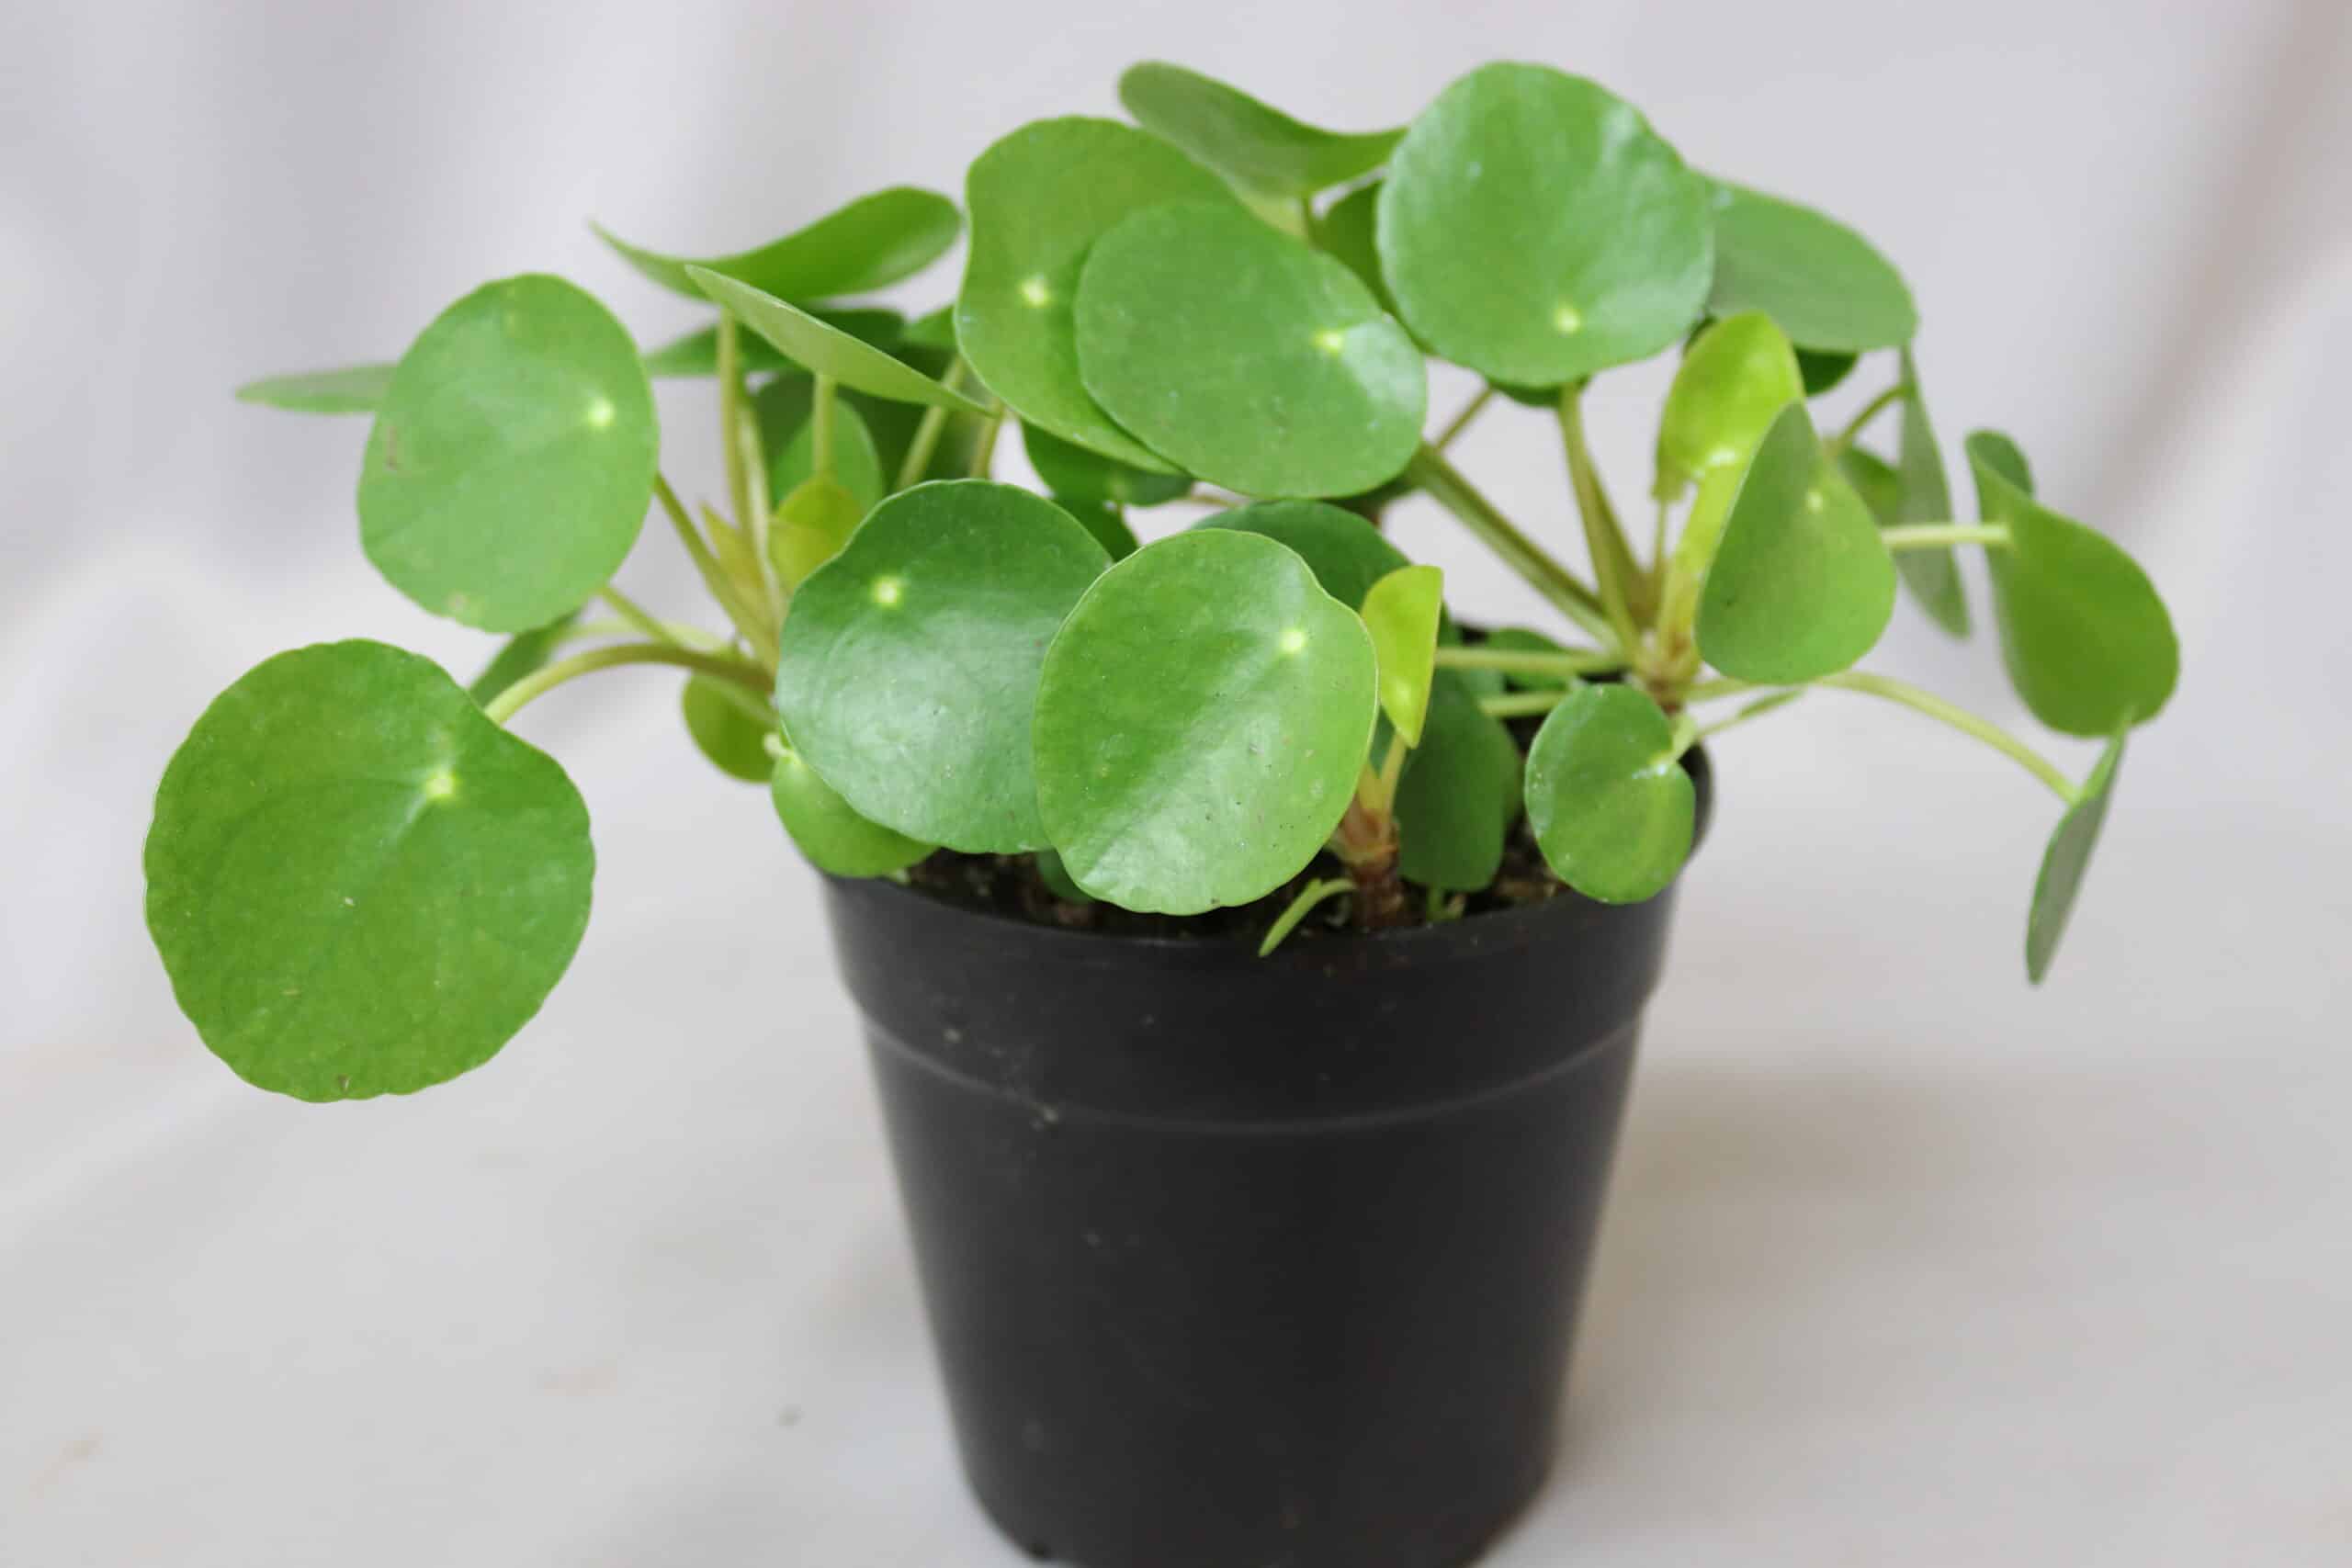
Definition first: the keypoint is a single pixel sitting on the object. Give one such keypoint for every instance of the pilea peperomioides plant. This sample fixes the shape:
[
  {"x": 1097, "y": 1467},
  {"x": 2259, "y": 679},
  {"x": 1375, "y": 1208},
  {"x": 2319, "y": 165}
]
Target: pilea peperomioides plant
[{"x": 362, "y": 882}]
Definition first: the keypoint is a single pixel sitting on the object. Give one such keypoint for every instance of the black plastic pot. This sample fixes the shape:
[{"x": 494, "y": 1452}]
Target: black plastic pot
[{"x": 1243, "y": 1263}]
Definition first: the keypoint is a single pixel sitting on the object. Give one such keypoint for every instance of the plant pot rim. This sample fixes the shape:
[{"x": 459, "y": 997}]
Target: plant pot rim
[{"x": 1397, "y": 944}]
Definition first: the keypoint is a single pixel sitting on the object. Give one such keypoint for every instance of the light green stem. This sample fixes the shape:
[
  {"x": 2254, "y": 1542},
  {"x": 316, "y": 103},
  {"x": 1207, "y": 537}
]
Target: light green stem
[
  {"x": 730, "y": 417},
  {"x": 1959, "y": 719},
  {"x": 1520, "y": 705},
  {"x": 1870, "y": 410},
  {"x": 984, "y": 454},
  {"x": 1925, "y": 535},
  {"x": 1511, "y": 661},
  {"x": 932, "y": 426},
  {"x": 754, "y": 629},
  {"x": 503, "y": 706},
  {"x": 1314, "y": 893},
  {"x": 1446, "y": 486},
  {"x": 636, "y": 615},
  {"x": 1612, "y": 557},
  {"x": 1462, "y": 422}
]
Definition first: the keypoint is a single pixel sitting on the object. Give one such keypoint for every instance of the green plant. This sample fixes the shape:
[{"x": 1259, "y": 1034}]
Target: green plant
[{"x": 361, "y": 882}]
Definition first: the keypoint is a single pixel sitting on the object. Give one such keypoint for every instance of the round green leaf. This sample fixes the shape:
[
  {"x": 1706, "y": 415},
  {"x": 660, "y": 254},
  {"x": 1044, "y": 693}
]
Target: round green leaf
[
  {"x": 1402, "y": 613},
  {"x": 2065, "y": 859},
  {"x": 1739, "y": 373},
  {"x": 1534, "y": 229},
  {"x": 1243, "y": 356},
  {"x": 870, "y": 243},
  {"x": 1039, "y": 200},
  {"x": 1348, "y": 229},
  {"x": 358, "y": 883},
  {"x": 357, "y": 390},
  {"x": 1105, "y": 521},
  {"x": 1252, "y": 143},
  {"x": 1347, "y": 554},
  {"x": 696, "y": 354},
  {"x": 1991, "y": 449},
  {"x": 1459, "y": 794},
  {"x": 2088, "y": 643},
  {"x": 1801, "y": 586},
  {"x": 827, "y": 350},
  {"x": 725, "y": 730},
  {"x": 857, "y": 462},
  {"x": 1825, "y": 285},
  {"x": 828, "y": 830},
  {"x": 1203, "y": 717},
  {"x": 910, "y": 662},
  {"x": 511, "y": 461},
  {"x": 1611, "y": 808},
  {"x": 1077, "y": 474}
]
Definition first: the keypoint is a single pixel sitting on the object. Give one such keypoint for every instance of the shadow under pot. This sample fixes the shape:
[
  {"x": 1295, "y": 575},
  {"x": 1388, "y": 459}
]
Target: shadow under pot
[{"x": 1236, "y": 1262}]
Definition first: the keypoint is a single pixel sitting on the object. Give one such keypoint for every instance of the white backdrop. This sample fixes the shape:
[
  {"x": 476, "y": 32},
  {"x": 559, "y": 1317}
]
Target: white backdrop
[{"x": 1906, "y": 1263}]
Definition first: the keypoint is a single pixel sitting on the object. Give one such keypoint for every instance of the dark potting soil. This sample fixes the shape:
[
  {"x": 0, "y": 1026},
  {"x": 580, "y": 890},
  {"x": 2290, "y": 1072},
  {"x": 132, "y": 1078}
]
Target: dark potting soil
[{"x": 1010, "y": 884}]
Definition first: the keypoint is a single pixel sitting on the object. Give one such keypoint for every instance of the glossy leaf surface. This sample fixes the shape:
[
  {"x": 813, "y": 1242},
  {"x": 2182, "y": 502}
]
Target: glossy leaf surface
[
  {"x": 1801, "y": 586},
  {"x": 1254, "y": 145},
  {"x": 1242, "y": 355},
  {"x": 2067, "y": 856},
  {"x": 511, "y": 461},
  {"x": 1039, "y": 200},
  {"x": 1533, "y": 228},
  {"x": 724, "y": 731},
  {"x": 828, "y": 830},
  {"x": 356, "y": 388},
  {"x": 358, "y": 883},
  {"x": 870, "y": 243},
  {"x": 1460, "y": 793},
  {"x": 2088, "y": 643},
  {"x": 1203, "y": 714},
  {"x": 1402, "y": 613},
  {"x": 828, "y": 350},
  {"x": 1612, "y": 815},
  {"x": 1077, "y": 474},
  {"x": 909, "y": 662},
  {"x": 1827, "y": 286}
]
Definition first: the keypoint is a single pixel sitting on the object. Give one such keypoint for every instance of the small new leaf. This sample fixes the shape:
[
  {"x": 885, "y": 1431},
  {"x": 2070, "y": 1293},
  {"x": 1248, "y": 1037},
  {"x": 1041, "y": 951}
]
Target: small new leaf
[
  {"x": 1402, "y": 612},
  {"x": 1612, "y": 807},
  {"x": 828, "y": 830}
]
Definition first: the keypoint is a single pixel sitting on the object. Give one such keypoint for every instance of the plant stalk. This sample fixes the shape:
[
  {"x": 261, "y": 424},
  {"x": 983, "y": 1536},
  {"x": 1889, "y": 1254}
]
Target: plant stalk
[
  {"x": 1925, "y": 535},
  {"x": 1448, "y": 487},
  {"x": 1612, "y": 557},
  {"x": 504, "y": 706}
]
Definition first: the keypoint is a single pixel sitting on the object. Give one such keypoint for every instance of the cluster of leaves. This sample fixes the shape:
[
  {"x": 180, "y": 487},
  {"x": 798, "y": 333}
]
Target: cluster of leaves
[{"x": 361, "y": 882}]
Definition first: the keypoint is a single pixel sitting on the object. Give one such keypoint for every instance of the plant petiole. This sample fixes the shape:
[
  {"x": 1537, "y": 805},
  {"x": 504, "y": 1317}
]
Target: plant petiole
[
  {"x": 1448, "y": 487},
  {"x": 1869, "y": 410},
  {"x": 821, "y": 427},
  {"x": 1462, "y": 422},
  {"x": 1314, "y": 893},
  {"x": 731, "y": 415},
  {"x": 754, "y": 628},
  {"x": 1612, "y": 557},
  {"x": 1925, "y": 535},
  {"x": 1959, "y": 719},
  {"x": 503, "y": 706},
  {"x": 932, "y": 425},
  {"x": 1520, "y": 705},
  {"x": 1511, "y": 661}
]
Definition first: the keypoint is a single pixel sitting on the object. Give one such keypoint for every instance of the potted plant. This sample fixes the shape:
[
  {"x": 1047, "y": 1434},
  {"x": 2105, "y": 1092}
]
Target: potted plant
[{"x": 1253, "y": 951}]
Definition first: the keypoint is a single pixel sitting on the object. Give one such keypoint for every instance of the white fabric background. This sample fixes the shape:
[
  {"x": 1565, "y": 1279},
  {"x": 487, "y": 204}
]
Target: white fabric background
[{"x": 1906, "y": 1263}]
